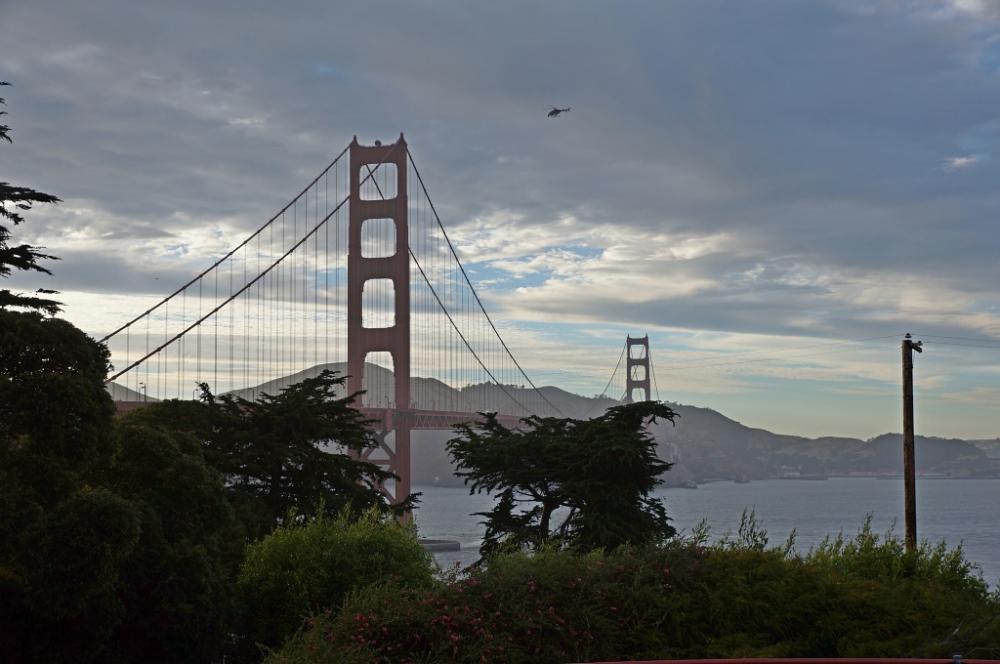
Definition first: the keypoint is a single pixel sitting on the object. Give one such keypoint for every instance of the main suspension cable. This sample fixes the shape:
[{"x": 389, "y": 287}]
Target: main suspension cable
[
  {"x": 472, "y": 288},
  {"x": 447, "y": 313},
  {"x": 245, "y": 287},
  {"x": 233, "y": 251},
  {"x": 615, "y": 372}
]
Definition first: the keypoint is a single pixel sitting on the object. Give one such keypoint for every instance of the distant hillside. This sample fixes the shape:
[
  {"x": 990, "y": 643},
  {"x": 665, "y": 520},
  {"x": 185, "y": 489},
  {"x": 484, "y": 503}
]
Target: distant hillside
[
  {"x": 432, "y": 394},
  {"x": 122, "y": 393},
  {"x": 704, "y": 444},
  {"x": 991, "y": 447},
  {"x": 708, "y": 446}
]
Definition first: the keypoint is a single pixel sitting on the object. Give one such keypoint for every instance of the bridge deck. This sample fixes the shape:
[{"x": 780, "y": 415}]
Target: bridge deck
[{"x": 430, "y": 419}]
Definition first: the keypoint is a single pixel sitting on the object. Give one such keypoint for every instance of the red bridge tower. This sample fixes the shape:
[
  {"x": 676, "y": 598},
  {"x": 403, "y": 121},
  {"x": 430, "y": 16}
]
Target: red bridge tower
[
  {"x": 636, "y": 367},
  {"x": 394, "y": 339}
]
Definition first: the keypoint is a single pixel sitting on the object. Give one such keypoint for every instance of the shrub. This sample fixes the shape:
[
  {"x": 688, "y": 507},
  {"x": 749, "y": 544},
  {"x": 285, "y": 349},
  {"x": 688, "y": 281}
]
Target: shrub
[
  {"x": 884, "y": 558},
  {"x": 681, "y": 600},
  {"x": 302, "y": 568}
]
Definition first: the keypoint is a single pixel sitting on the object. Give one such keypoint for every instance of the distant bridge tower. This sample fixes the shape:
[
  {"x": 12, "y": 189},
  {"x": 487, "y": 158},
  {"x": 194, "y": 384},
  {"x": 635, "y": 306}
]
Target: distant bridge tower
[
  {"x": 394, "y": 339},
  {"x": 637, "y": 368}
]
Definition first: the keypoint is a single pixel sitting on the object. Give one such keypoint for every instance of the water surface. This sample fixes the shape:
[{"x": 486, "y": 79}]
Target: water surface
[{"x": 953, "y": 510}]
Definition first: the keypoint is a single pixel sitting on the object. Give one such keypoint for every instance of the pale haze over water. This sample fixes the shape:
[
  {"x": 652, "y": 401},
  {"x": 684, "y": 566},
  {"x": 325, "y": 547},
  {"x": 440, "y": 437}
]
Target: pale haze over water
[{"x": 953, "y": 510}]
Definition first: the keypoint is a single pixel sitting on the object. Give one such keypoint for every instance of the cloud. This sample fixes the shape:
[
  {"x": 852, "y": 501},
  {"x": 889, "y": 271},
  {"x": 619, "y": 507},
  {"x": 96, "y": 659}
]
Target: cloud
[
  {"x": 764, "y": 170},
  {"x": 960, "y": 163},
  {"x": 989, "y": 9},
  {"x": 979, "y": 395}
]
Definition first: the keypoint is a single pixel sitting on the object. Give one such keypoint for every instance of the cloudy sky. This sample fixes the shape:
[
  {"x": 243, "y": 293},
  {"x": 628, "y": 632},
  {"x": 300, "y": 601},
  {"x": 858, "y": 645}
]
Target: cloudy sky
[{"x": 774, "y": 191}]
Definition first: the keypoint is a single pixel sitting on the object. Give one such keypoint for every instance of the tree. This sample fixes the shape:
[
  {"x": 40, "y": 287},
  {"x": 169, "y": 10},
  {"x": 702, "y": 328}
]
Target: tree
[
  {"x": 62, "y": 538},
  {"x": 59, "y": 577},
  {"x": 176, "y": 585},
  {"x": 291, "y": 451},
  {"x": 55, "y": 418},
  {"x": 598, "y": 473},
  {"x": 52, "y": 396},
  {"x": 284, "y": 452},
  {"x": 13, "y": 201}
]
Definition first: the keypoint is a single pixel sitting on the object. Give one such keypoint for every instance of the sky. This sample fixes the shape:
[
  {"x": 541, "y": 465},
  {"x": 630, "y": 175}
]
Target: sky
[{"x": 774, "y": 191}]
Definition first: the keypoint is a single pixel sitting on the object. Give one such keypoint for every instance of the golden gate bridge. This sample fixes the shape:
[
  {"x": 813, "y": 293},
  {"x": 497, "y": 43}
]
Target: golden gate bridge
[{"x": 355, "y": 274}]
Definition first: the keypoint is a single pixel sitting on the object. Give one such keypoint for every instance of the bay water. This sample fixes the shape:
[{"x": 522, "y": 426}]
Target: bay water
[{"x": 957, "y": 511}]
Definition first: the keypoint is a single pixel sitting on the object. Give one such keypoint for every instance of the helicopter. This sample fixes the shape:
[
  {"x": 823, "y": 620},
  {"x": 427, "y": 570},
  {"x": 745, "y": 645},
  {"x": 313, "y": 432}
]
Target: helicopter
[{"x": 555, "y": 112}]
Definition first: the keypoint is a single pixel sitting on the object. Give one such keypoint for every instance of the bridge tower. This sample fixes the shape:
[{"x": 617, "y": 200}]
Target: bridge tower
[
  {"x": 636, "y": 367},
  {"x": 394, "y": 339}
]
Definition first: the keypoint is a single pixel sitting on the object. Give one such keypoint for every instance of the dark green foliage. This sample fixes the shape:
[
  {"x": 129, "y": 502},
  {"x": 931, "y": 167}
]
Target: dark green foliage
[
  {"x": 55, "y": 421},
  {"x": 61, "y": 541},
  {"x": 600, "y": 472},
  {"x": 302, "y": 568},
  {"x": 271, "y": 458},
  {"x": 116, "y": 542},
  {"x": 59, "y": 594},
  {"x": 176, "y": 586},
  {"x": 281, "y": 453},
  {"x": 52, "y": 396},
  {"x": 273, "y": 449},
  {"x": 679, "y": 600},
  {"x": 188, "y": 417},
  {"x": 884, "y": 558},
  {"x": 4, "y": 129},
  {"x": 13, "y": 201},
  {"x": 82, "y": 542}
]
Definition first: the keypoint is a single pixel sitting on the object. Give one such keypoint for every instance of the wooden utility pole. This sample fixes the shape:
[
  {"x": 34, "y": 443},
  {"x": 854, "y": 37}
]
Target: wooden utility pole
[{"x": 909, "y": 467}]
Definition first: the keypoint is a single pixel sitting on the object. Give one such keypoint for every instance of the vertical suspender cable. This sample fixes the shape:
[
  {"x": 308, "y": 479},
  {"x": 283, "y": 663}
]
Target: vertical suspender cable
[
  {"x": 181, "y": 355},
  {"x": 326, "y": 273},
  {"x": 215, "y": 350}
]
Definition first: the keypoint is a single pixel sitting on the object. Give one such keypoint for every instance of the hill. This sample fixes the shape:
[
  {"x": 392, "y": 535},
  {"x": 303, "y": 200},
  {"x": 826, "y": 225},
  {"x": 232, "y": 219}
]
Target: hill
[{"x": 704, "y": 444}]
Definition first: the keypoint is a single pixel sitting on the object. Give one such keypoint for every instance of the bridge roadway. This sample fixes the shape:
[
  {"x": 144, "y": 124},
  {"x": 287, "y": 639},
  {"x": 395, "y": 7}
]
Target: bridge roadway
[
  {"x": 390, "y": 418},
  {"x": 386, "y": 419}
]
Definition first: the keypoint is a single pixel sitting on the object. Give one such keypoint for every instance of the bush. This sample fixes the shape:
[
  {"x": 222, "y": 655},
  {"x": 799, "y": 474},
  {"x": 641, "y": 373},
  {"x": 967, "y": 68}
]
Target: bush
[
  {"x": 885, "y": 559},
  {"x": 302, "y": 568},
  {"x": 682, "y": 600}
]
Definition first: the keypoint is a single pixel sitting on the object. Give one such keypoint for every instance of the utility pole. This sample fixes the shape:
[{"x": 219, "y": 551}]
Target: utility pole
[{"x": 909, "y": 467}]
